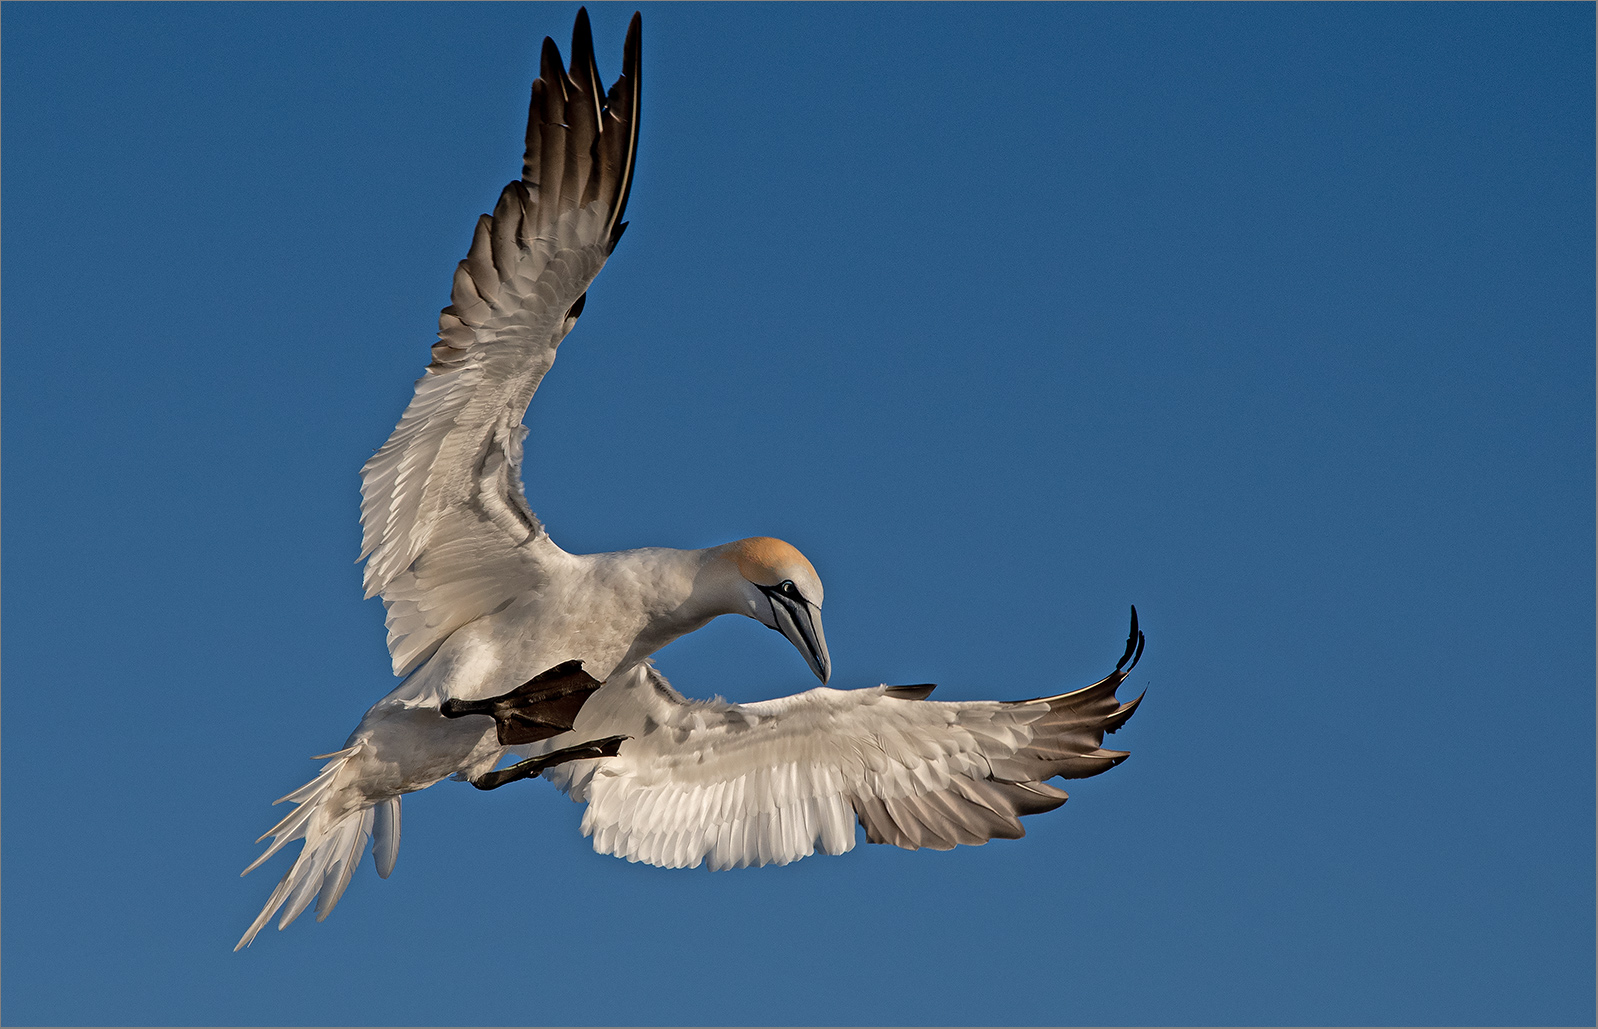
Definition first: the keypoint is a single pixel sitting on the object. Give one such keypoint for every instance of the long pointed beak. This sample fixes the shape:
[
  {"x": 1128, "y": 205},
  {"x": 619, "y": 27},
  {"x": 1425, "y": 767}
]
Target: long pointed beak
[{"x": 801, "y": 623}]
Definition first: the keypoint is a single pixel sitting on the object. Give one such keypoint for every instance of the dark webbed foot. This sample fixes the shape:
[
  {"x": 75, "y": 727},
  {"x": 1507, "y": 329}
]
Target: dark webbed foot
[
  {"x": 530, "y": 768},
  {"x": 543, "y": 706}
]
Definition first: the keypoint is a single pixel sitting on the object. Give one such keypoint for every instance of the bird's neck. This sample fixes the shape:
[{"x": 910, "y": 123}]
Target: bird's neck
[{"x": 672, "y": 592}]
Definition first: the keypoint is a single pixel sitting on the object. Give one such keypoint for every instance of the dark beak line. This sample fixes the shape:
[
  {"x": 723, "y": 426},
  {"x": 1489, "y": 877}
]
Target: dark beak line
[{"x": 799, "y": 614}]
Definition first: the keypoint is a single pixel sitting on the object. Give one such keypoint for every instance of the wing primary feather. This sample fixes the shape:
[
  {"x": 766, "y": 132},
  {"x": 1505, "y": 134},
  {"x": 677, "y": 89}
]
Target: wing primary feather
[
  {"x": 552, "y": 160},
  {"x": 583, "y": 49},
  {"x": 1118, "y": 719},
  {"x": 503, "y": 245},
  {"x": 480, "y": 265},
  {"x": 585, "y": 78},
  {"x": 1131, "y": 643},
  {"x": 532, "y": 165},
  {"x": 626, "y": 98}
]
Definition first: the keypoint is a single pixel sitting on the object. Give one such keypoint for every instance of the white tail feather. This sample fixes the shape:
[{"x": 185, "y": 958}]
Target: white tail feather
[
  {"x": 386, "y": 849},
  {"x": 334, "y": 844}
]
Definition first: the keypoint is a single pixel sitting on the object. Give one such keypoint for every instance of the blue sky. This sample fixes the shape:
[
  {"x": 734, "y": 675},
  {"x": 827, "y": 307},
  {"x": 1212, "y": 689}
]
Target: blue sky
[{"x": 1276, "y": 321}]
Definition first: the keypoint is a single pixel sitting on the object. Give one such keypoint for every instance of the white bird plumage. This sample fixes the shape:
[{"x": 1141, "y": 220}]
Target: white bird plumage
[{"x": 480, "y": 600}]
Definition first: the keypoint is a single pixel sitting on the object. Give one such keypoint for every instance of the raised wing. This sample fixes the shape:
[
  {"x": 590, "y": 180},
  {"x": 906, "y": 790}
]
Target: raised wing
[
  {"x": 447, "y": 532},
  {"x": 766, "y": 783}
]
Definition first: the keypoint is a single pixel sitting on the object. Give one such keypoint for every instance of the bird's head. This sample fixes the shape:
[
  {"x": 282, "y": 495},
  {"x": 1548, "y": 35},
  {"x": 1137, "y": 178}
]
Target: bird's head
[{"x": 779, "y": 588}]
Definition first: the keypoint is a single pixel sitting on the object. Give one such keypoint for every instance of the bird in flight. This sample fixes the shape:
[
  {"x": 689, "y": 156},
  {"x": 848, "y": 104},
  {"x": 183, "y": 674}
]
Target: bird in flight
[{"x": 512, "y": 647}]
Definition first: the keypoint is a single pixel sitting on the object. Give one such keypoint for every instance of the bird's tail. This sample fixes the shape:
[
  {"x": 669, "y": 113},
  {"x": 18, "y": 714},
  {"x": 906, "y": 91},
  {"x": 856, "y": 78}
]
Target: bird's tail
[{"x": 335, "y": 824}]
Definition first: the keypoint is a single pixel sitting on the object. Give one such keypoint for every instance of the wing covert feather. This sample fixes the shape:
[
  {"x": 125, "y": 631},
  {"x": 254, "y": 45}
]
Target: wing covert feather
[{"x": 447, "y": 533}]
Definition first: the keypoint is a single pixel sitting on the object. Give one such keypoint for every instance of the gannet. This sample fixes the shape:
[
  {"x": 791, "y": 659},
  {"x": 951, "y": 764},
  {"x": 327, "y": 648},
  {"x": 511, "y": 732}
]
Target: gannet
[{"x": 510, "y": 646}]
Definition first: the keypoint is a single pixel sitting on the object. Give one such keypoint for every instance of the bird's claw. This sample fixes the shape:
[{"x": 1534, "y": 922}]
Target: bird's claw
[{"x": 608, "y": 746}]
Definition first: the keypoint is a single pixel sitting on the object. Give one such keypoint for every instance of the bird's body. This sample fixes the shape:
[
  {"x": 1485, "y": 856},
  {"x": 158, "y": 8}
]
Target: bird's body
[
  {"x": 505, "y": 638},
  {"x": 608, "y": 611}
]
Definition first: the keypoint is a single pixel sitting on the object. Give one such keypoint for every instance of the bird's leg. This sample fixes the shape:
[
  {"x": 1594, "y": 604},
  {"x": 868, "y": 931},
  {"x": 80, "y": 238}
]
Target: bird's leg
[
  {"x": 530, "y": 768},
  {"x": 543, "y": 706}
]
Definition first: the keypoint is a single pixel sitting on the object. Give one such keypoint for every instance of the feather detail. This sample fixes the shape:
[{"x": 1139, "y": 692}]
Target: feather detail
[
  {"x": 335, "y": 825},
  {"x": 728, "y": 785},
  {"x": 447, "y": 533}
]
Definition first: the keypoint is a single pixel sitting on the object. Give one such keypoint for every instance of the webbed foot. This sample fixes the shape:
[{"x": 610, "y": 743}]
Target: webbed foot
[
  {"x": 530, "y": 768},
  {"x": 545, "y": 705}
]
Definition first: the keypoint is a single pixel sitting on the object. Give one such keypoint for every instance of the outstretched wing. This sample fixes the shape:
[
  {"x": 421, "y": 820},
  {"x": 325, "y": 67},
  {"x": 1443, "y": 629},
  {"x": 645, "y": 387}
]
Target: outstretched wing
[
  {"x": 766, "y": 783},
  {"x": 447, "y": 532}
]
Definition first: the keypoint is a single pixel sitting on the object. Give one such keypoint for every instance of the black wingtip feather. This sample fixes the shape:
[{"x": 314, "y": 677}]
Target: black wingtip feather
[
  {"x": 1134, "y": 644},
  {"x": 631, "y": 64},
  {"x": 550, "y": 67},
  {"x": 1124, "y": 713},
  {"x": 584, "y": 67}
]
